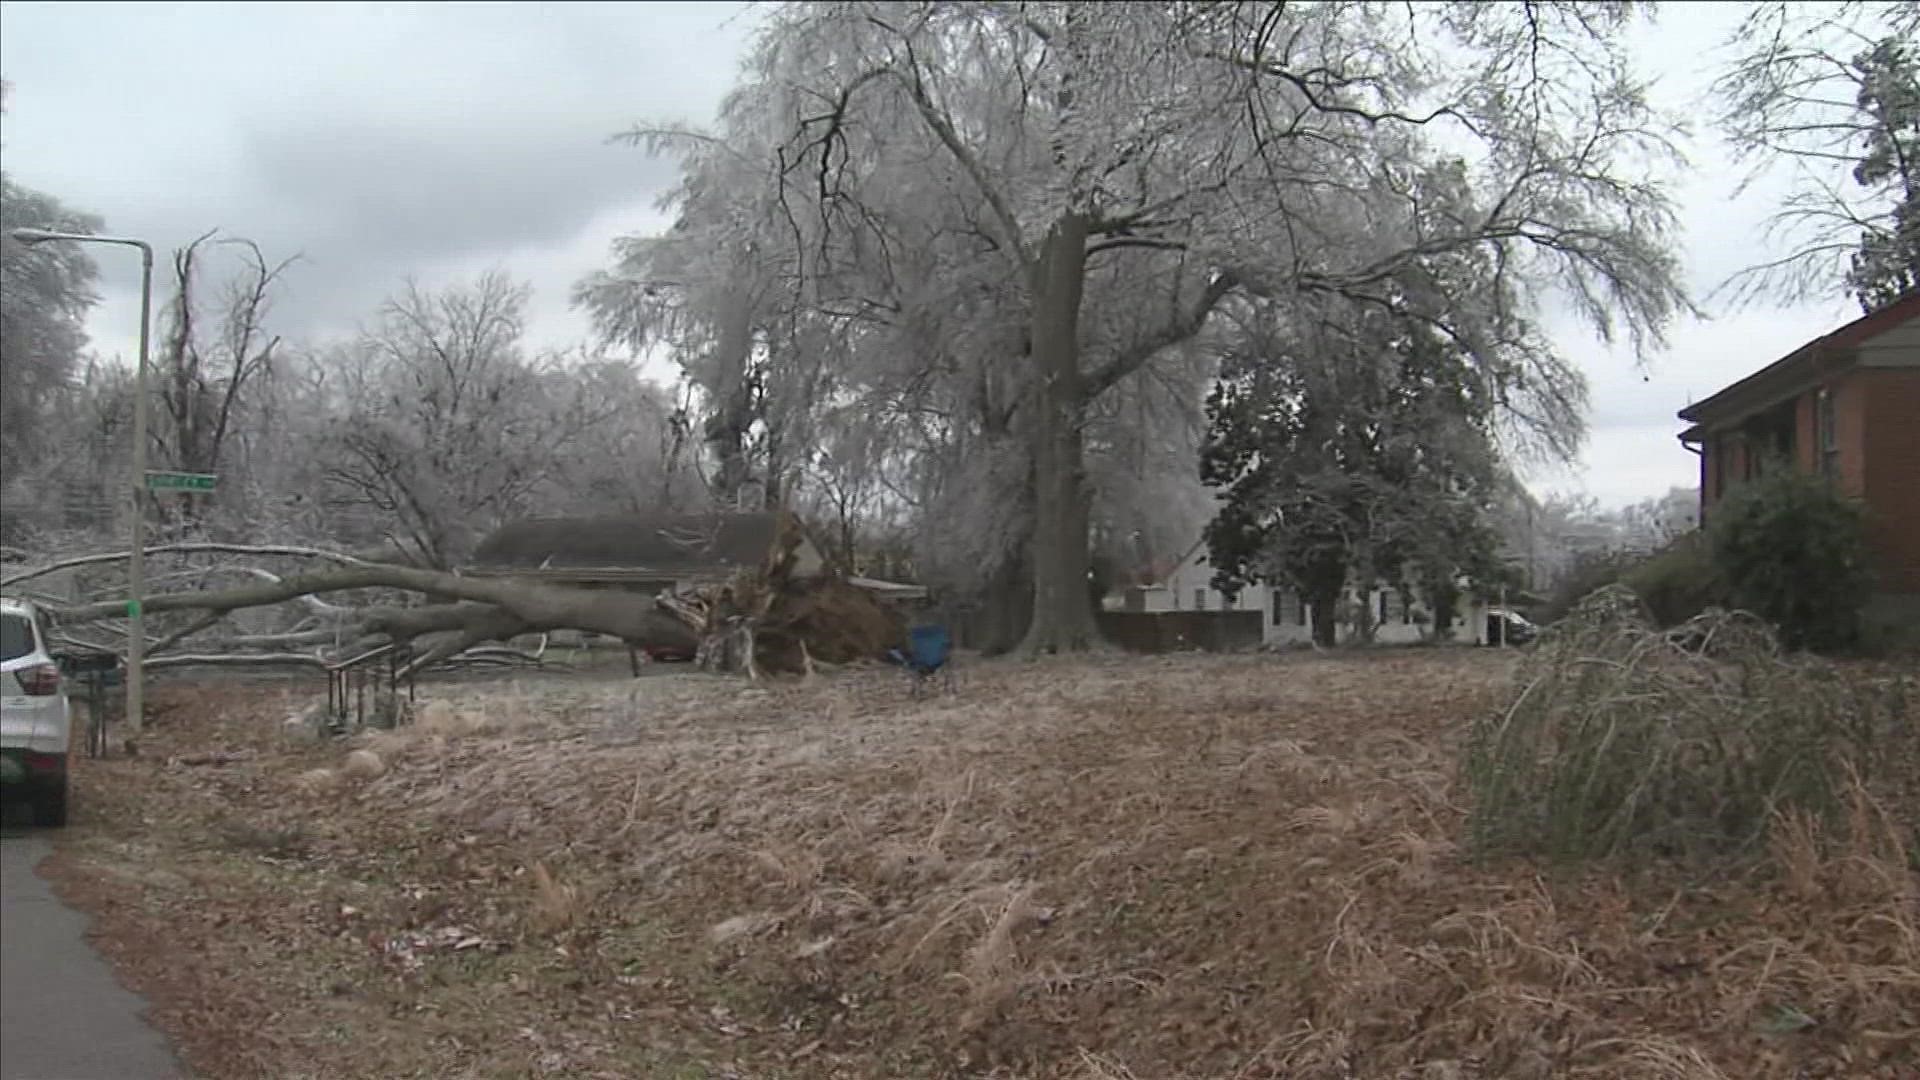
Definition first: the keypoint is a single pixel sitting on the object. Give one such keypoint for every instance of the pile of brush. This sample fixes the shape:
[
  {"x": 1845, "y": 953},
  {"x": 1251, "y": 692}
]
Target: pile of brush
[{"x": 1621, "y": 738}]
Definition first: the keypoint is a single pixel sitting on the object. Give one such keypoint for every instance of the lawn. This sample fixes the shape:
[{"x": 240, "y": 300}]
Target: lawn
[{"x": 1175, "y": 867}]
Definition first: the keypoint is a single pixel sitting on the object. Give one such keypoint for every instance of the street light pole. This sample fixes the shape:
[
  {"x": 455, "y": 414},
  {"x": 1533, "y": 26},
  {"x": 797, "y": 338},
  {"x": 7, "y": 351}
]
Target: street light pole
[{"x": 137, "y": 556}]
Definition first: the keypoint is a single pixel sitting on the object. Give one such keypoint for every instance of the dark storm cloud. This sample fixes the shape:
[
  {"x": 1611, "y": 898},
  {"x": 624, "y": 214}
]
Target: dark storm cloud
[
  {"x": 377, "y": 141},
  {"x": 399, "y": 196},
  {"x": 356, "y": 193}
]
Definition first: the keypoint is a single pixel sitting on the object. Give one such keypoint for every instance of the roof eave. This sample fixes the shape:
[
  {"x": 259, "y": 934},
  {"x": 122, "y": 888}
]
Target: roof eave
[
  {"x": 1781, "y": 379},
  {"x": 1767, "y": 387}
]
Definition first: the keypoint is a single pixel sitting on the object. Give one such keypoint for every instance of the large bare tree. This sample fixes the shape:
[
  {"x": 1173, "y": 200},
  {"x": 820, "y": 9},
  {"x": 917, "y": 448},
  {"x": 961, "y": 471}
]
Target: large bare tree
[
  {"x": 1037, "y": 201},
  {"x": 203, "y": 371},
  {"x": 449, "y": 428},
  {"x": 214, "y": 353}
]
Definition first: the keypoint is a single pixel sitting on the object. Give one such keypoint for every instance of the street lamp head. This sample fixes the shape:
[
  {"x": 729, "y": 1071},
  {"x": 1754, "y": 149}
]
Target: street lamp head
[
  {"x": 34, "y": 236},
  {"x": 42, "y": 236}
]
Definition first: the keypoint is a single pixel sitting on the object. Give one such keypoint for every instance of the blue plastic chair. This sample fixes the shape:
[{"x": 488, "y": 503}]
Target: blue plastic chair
[{"x": 929, "y": 650}]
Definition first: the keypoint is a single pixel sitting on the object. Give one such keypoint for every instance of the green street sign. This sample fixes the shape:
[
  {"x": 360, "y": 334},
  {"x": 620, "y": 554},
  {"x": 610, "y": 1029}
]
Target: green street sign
[{"x": 180, "y": 481}]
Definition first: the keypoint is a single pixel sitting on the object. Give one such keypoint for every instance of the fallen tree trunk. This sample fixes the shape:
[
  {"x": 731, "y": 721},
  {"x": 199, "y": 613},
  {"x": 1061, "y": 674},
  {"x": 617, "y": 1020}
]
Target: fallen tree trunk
[
  {"x": 488, "y": 625},
  {"x": 762, "y": 618},
  {"x": 503, "y": 608}
]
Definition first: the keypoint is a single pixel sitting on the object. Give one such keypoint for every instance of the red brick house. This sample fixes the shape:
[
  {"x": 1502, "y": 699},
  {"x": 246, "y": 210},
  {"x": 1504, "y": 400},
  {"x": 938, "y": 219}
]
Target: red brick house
[{"x": 1846, "y": 405}]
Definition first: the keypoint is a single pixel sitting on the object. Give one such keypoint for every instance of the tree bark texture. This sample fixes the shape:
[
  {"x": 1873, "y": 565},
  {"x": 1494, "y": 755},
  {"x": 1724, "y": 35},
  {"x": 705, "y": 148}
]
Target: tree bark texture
[
  {"x": 732, "y": 418},
  {"x": 1326, "y": 621},
  {"x": 1005, "y": 612},
  {"x": 1062, "y": 616}
]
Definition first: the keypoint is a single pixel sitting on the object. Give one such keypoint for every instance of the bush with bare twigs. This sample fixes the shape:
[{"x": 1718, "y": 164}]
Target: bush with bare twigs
[{"x": 1624, "y": 740}]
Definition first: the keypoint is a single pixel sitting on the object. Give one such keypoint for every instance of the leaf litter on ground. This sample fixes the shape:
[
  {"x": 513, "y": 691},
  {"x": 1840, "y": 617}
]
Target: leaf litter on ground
[{"x": 1195, "y": 866}]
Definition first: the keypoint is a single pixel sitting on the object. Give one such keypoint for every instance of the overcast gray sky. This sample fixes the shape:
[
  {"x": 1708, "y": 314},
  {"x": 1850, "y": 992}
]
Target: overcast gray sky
[{"x": 386, "y": 140}]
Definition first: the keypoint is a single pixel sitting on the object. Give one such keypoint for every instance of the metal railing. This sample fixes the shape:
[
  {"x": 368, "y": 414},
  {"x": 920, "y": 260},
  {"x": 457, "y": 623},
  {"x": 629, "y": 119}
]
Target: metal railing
[
  {"x": 349, "y": 680},
  {"x": 96, "y": 673}
]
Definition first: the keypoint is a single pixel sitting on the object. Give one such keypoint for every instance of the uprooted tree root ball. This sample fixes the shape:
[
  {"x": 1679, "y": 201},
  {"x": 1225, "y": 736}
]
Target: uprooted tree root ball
[
  {"x": 771, "y": 618},
  {"x": 1194, "y": 867}
]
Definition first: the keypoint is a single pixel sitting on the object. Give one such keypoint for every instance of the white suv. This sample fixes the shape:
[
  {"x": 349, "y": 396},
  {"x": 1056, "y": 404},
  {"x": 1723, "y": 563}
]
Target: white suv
[{"x": 36, "y": 725}]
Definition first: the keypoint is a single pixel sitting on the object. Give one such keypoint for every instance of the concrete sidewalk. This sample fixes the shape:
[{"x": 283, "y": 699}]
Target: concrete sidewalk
[{"x": 62, "y": 1014}]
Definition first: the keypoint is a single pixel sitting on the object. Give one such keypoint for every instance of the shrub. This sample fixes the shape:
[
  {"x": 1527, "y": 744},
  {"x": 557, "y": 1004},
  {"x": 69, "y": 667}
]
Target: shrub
[
  {"x": 1624, "y": 740},
  {"x": 1792, "y": 550},
  {"x": 1677, "y": 582},
  {"x": 1589, "y": 570}
]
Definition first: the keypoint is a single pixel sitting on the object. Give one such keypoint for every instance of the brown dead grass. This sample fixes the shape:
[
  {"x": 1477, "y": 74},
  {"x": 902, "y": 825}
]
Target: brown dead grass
[{"x": 1193, "y": 867}]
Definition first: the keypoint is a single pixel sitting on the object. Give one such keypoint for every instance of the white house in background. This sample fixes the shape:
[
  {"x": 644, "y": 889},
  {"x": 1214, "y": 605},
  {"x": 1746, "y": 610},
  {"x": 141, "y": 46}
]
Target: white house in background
[{"x": 1187, "y": 585}]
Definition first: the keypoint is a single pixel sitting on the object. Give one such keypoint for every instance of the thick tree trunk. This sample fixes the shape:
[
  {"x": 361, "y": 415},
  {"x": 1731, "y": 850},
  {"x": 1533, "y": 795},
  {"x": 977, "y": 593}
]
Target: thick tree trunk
[
  {"x": 1444, "y": 598},
  {"x": 1364, "y": 621},
  {"x": 1326, "y": 623},
  {"x": 732, "y": 417},
  {"x": 1006, "y": 610},
  {"x": 1062, "y": 616}
]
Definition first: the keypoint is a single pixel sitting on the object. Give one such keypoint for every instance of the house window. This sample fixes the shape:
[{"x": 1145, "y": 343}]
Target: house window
[
  {"x": 1276, "y": 602},
  {"x": 1288, "y": 608},
  {"x": 1828, "y": 434},
  {"x": 1199, "y": 599},
  {"x": 1383, "y": 607}
]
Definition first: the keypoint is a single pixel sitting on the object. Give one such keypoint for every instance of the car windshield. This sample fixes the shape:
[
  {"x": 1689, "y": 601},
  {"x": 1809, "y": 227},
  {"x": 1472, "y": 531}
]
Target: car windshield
[{"x": 16, "y": 636}]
